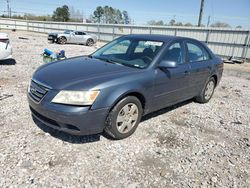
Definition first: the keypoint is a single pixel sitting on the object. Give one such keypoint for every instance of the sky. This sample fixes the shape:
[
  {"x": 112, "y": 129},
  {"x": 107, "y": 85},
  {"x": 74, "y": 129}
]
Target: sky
[{"x": 233, "y": 12}]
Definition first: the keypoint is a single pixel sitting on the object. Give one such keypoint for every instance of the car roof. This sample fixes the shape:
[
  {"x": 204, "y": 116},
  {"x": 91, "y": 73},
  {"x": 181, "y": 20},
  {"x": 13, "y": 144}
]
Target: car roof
[
  {"x": 155, "y": 37},
  {"x": 4, "y": 36}
]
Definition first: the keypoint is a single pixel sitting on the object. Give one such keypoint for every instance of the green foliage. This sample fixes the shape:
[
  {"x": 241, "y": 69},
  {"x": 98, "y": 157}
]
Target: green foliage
[
  {"x": 179, "y": 24},
  {"x": 61, "y": 14},
  {"x": 154, "y": 22},
  {"x": 32, "y": 17},
  {"x": 110, "y": 15},
  {"x": 171, "y": 23},
  {"x": 188, "y": 24},
  {"x": 126, "y": 17},
  {"x": 220, "y": 24}
]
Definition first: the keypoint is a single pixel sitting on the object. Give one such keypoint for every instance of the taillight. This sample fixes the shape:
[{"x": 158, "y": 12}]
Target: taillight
[{"x": 4, "y": 40}]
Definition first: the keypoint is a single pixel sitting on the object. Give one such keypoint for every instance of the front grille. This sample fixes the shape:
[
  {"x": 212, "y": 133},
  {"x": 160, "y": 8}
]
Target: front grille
[
  {"x": 43, "y": 118},
  {"x": 37, "y": 91}
]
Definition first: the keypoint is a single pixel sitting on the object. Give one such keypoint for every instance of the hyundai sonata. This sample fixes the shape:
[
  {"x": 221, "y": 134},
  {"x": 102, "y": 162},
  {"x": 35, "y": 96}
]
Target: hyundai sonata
[{"x": 111, "y": 89}]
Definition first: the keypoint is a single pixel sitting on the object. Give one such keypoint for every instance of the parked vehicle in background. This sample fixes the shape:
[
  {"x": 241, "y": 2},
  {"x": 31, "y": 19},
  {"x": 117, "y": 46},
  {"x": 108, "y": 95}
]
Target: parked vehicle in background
[
  {"x": 73, "y": 37},
  {"x": 114, "y": 87},
  {"x": 5, "y": 47}
]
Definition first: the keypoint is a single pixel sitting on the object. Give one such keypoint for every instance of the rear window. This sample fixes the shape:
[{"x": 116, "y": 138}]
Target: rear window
[
  {"x": 196, "y": 53},
  {"x": 154, "y": 46}
]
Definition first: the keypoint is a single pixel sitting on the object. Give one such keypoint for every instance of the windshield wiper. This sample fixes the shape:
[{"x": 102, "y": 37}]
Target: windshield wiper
[
  {"x": 129, "y": 65},
  {"x": 106, "y": 60}
]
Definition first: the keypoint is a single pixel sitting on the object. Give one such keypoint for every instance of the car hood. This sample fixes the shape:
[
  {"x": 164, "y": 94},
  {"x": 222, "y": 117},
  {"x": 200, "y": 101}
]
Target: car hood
[
  {"x": 78, "y": 73},
  {"x": 54, "y": 33}
]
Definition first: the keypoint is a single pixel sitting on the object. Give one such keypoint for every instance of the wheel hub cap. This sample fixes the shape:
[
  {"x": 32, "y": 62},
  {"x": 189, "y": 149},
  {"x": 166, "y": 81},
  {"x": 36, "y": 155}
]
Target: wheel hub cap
[
  {"x": 209, "y": 90},
  {"x": 127, "y": 118}
]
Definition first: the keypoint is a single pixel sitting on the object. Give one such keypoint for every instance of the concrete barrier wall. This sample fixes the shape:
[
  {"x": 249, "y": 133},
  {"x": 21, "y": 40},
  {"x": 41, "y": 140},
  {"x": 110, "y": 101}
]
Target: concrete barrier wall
[{"x": 224, "y": 42}]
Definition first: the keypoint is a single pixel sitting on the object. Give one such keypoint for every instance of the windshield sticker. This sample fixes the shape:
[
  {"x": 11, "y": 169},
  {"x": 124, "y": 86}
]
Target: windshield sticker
[{"x": 153, "y": 43}]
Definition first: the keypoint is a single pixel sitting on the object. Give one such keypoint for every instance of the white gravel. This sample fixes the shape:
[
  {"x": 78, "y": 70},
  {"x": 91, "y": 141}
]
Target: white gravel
[{"x": 188, "y": 145}]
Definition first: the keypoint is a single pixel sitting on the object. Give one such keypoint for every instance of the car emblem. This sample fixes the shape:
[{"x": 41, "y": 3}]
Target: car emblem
[{"x": 33, "y": 90}]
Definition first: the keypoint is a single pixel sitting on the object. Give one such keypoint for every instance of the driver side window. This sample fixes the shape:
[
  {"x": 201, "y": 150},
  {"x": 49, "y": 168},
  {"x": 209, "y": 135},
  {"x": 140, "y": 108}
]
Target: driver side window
[
  {"x": 174, "y": 53},
  {"x": 78, "y": 33}
]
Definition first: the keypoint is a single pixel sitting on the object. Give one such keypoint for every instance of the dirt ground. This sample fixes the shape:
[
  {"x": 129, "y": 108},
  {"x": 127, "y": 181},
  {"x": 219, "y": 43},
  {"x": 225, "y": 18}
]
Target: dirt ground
[{"x": 187, "y": 145}]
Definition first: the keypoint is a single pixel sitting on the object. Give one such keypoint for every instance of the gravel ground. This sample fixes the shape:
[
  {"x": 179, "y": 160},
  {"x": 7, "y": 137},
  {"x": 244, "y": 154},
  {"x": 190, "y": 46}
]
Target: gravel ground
[{"x": 188, "y": 145}]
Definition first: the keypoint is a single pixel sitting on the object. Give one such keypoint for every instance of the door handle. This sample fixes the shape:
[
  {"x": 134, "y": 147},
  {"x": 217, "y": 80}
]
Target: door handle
[{"x": 186, "y": 72}]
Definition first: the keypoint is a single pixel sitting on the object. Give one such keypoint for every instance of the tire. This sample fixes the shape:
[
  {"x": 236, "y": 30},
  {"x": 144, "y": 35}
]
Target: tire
[
  {"x": 90, "y": 42},
  {"x": 207, "y": 92},
  {"x": 62, "y": 40},
  {"x": 119, "y": 124}
]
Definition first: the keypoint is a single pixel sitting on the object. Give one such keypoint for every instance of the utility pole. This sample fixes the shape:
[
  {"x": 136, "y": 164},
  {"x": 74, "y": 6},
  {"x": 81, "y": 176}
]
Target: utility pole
[
  {"x": 201, "y": 12},
  {"x": 8, "y": 7}
]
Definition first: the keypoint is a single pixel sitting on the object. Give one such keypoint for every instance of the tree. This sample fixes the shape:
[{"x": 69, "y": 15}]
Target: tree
[
  {"x": 172, "y": 22},
  {"x": 61, "y": 14},
  {"x": 179, "y": 24},
  {"x": 154, "y": 22},
  {"x": 126, "y": 17},
  {"x": 110, "y": 15},
  {"x": 98, "y": 13},
  {"x": 239, "y": 27},
  {"x": 220, "y": 24},
  {"x": 188, "y": 24}
]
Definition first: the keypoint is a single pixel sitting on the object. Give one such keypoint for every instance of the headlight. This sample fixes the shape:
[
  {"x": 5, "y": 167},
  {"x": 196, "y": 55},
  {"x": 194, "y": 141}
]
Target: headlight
[{"x": 76, "y": 97}]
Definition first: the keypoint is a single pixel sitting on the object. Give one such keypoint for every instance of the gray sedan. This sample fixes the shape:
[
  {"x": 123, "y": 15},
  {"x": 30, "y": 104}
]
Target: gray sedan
[
  {"x": 73, "y": 37},
  {"x": 114, "y": 87}
]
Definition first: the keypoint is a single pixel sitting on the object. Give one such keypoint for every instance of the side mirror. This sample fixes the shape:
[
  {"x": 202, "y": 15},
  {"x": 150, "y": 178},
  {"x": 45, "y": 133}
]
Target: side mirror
[{"x": 167, "y": 64}]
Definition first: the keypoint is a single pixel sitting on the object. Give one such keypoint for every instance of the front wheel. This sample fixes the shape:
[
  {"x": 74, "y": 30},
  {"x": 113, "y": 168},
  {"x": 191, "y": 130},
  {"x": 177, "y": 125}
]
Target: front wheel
[
  {"x": 207, "y": 92},
  {"x": 124, "y": 118},
  {"x": 62, "y": 40}
]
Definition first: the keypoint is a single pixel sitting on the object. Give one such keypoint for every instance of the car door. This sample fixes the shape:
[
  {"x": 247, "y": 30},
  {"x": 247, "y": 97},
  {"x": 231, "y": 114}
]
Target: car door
[
  {"x": 172, "y": 84},
  {"x": 200, "y": 65},
  {"x": 85, "y": 37},
  {"x": 78, "y": 37}
]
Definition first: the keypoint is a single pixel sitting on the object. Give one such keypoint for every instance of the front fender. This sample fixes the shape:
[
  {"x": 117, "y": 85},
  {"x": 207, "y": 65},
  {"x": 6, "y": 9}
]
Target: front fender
[
  {"x": 62, "y": 35},
  {"x": 111, "y": 95}
]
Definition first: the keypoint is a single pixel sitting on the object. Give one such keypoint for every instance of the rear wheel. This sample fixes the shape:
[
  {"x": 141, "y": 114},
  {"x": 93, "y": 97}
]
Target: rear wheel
[
  {"x": 124, "y": 118},
  {"x": 90, "y": 42},
  {"x": 62, "y": 40},
  {"x": 207, "y": 92}
]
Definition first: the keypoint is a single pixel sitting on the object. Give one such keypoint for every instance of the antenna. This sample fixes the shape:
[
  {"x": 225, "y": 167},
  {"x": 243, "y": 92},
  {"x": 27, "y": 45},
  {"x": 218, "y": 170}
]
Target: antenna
[{"x": 8, "y": 7}]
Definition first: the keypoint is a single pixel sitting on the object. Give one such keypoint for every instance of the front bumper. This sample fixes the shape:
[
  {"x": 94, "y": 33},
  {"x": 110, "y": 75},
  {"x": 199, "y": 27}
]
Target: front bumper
[
  {"x": 6, "y": 53},
  {"x": 52, "y": 38},
  {"x": 71, "y": 119}
]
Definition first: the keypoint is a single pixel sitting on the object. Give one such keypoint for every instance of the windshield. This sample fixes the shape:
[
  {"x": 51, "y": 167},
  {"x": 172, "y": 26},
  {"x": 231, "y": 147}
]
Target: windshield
[
  {"x": 67, "y": 31},
  {"x": 130, "y": 52}
]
